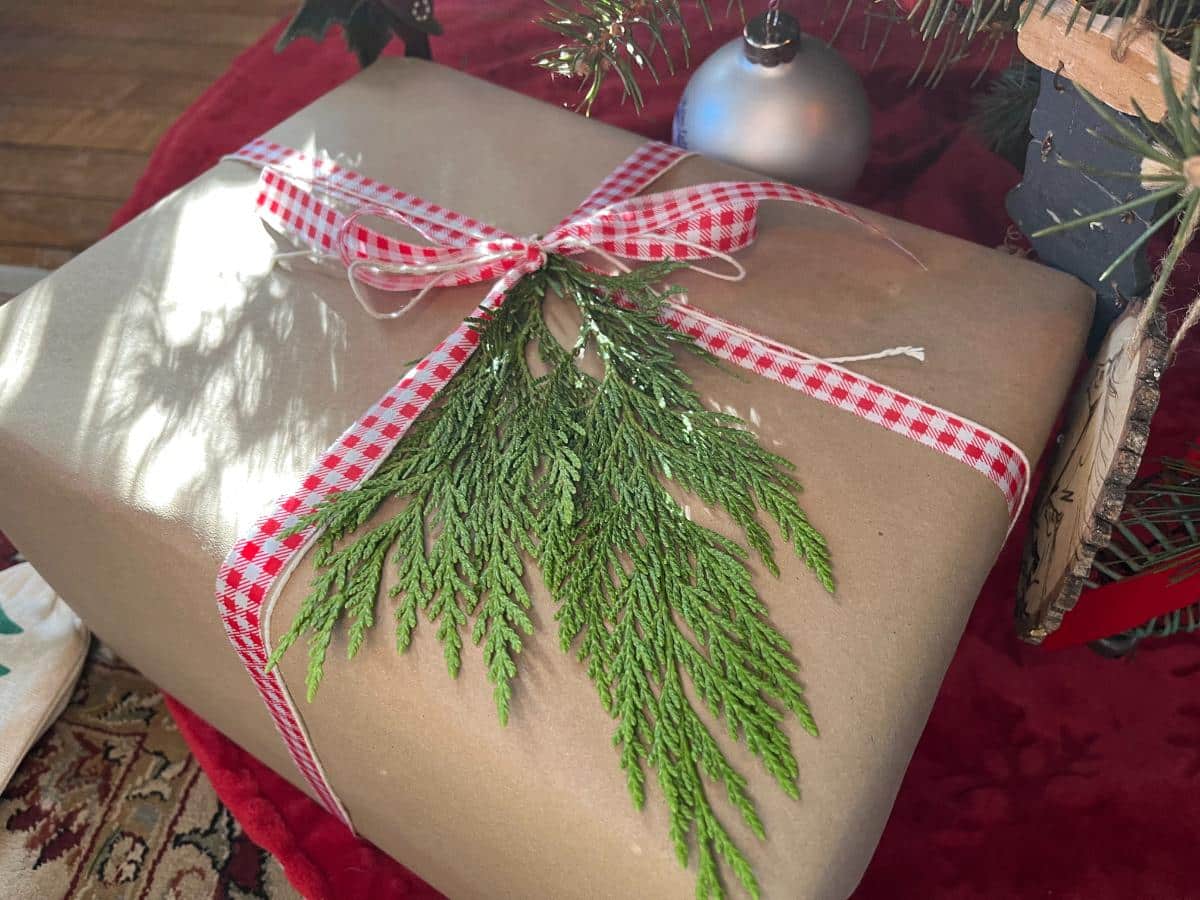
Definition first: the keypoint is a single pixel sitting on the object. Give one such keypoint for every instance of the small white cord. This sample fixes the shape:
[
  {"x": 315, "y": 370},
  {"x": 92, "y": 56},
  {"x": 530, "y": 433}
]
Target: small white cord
[
  {"x": 917, "y": 353},
  {"x": 803, "y": 359}
]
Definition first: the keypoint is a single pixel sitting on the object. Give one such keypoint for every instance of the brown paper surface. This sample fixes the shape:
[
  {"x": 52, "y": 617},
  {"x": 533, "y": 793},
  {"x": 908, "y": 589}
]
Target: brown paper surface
[{"x": 160, "y": 390}]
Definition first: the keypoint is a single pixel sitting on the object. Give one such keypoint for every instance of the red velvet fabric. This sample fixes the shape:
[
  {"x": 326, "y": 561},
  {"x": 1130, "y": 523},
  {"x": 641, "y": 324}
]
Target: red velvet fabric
[{"x": 1040, "y": 773}]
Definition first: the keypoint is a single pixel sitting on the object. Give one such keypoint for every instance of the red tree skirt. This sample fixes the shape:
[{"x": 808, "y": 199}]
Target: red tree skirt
[{"x": 1040, "y": 773}]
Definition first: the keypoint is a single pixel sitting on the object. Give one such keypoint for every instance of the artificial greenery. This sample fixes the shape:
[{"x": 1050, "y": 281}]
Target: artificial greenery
[
  {"x": 952, "y": 29},
  {"x": 1158, "y": 529},
  {"x": 367, "y": 25},
  {"x": 624, "y": 37},
  {"x": 526, "y": 456},
  {"x": 1181, "y": 621}
]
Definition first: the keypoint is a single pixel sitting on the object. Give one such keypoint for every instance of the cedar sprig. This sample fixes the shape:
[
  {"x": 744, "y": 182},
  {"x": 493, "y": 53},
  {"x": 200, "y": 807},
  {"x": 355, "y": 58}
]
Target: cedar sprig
[{"x": 582, "y": 475}]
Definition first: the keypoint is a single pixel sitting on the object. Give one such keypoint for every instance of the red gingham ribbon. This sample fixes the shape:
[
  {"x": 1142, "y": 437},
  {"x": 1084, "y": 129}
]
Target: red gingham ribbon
[{"x": 687, "y": 223}]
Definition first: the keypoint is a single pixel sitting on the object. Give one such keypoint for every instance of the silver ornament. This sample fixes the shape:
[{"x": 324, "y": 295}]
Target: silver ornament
[{"x": 782, "y": 103}]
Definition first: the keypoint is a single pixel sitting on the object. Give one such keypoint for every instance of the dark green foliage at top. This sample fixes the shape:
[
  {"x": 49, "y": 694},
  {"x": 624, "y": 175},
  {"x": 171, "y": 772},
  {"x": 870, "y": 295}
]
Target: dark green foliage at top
[
  {"x": 638, "y": 40},
  {"x": 544, "y": 462},
  {"x": 367, "y": 25},
  {"x": 1001, "y": 113}
]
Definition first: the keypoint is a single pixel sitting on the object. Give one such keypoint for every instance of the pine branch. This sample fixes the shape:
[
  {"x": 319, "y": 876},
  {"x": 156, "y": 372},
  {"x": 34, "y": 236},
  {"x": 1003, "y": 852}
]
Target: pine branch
[
  {"x": 1002, "y": 113},
  {"x": 579, "y": 474},
  {"x": 621, "y": 37}
]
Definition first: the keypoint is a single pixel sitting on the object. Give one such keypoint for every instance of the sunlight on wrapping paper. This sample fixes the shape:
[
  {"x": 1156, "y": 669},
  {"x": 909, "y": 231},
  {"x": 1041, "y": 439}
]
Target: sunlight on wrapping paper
[
  {"x": 202, "y": 404},
  {"x": 22, "y": 340}
]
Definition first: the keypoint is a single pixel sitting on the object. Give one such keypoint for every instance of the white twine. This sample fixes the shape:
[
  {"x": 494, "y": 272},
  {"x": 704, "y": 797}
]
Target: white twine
[{"x": 802, "y": 358}]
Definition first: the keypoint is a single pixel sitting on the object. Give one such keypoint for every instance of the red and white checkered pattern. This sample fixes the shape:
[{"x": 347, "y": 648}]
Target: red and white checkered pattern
[
  {"x": 959, "y": 438},
  {"x": 688, "y": 223},
  {"x": 684, "y": 224}
]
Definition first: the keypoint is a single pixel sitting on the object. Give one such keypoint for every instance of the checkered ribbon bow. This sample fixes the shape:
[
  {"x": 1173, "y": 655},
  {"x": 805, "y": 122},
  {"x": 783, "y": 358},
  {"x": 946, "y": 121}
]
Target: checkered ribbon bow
[
  {"x": 700, "y": 222},
  {"x": 692, "y": 223}
]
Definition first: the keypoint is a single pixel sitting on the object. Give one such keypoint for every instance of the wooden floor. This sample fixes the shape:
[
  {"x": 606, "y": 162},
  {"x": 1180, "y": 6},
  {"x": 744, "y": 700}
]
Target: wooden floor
[{"x": 86, "y": 89}]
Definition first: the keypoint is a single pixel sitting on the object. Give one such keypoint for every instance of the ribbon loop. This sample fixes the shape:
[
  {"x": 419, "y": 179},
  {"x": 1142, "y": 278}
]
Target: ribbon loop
[
  {"x": 393, "y": 265},
  {"x": 707, "y": 221},
  {"x": 693, "y": 223}
]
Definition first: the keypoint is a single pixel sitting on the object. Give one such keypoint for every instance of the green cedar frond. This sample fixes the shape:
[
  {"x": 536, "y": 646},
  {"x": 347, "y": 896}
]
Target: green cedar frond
[{"x": 524, "y": 456}]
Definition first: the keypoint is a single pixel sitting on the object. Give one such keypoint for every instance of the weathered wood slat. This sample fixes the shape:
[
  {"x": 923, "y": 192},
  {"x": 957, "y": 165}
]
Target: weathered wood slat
[
  {"x": 235, "y": 29},
  {"x": 67, "y": 223},
  {"x": 104, "y": 174},
  {"x": 86, "y": 91},
  {"x": 279, "y": 8},
  {"x": 127, "y": 128},
  {"x": 96, "y": 55},
  {"x": 39, "y": 257},
  {"x": 106, "y": 90}
]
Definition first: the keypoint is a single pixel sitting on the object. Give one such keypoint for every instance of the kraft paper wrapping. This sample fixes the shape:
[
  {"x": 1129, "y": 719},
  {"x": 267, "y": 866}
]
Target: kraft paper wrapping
[{"x": 160, "y": 390}]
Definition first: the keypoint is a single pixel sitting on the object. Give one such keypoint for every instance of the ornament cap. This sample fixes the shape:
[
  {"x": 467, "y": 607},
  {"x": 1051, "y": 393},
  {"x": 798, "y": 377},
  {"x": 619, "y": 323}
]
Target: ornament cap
[{"x": 772, "y": 38}]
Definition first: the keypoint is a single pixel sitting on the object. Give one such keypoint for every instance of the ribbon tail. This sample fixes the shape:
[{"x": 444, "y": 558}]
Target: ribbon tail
[{"x": 882, "y": 232}]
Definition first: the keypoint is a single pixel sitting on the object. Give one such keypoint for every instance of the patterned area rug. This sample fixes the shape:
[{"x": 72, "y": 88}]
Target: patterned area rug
[{"x": 111, "y": 804}]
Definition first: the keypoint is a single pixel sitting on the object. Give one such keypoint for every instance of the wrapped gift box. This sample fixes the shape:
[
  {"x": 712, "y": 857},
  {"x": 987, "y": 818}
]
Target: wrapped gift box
[{"x": 159, "y": 391}]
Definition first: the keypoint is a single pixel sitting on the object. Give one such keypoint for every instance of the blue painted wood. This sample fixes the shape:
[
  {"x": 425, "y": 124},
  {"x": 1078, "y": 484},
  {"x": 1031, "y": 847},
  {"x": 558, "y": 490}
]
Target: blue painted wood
[{"x": 1050, "y": 192}]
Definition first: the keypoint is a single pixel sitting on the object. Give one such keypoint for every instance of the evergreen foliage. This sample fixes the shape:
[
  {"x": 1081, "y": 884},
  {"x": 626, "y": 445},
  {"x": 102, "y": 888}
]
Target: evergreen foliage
[
  {"x": 367, "y": 25},
  {"x": 525, "y": 456},
  {"x": 622, "y": 37},
  {"x": 1001, "y": 114},
  {"x": 1158, "y": 529}
]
